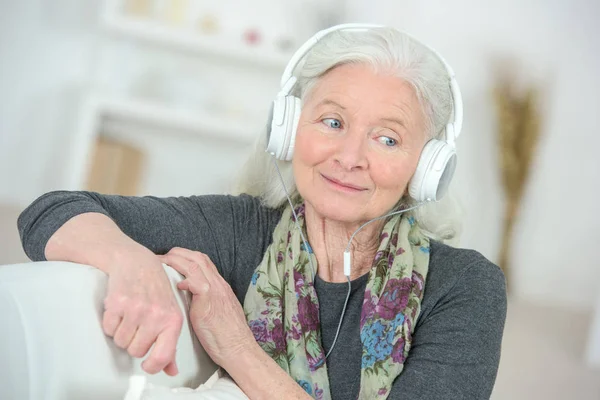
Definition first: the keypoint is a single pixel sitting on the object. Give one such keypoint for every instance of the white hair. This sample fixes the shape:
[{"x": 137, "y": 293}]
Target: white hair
[{"x": 388, "y": 51}]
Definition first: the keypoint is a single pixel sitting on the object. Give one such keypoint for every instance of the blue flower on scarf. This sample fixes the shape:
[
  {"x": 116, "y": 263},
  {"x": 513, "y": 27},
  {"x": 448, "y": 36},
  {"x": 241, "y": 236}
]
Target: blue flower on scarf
[
  {"x": 424, "y": 249},
  {"x": 377, "y": 345},
  {"x": 398, "y": 321},
  {"x": 370, "y": 334},
  {"x": 411, "y": 220},
  {"x": 254, "y": 278},
  {"x": 383, "y": 348},
  {"x": 367, "y": 361},
  {"x": 378, "y": 341},
  {"x": 306, "y": 386}
]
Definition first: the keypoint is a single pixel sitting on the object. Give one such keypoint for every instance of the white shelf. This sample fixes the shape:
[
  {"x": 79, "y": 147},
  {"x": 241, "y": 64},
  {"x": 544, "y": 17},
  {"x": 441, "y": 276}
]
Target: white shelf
[
  {"x": 124, "y": 117},
  {"x": 140, "y": 114},
  {"x": 178, "y": 39}
]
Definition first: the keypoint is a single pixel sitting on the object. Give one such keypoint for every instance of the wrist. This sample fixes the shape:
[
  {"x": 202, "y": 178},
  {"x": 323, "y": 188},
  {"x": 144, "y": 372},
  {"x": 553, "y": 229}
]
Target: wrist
[
  {"x": 260, "y": 377},
  {"x": 125, "y": 255},
  {"x": 242, "y": 356},
  {"x": 247, "y": 368}
]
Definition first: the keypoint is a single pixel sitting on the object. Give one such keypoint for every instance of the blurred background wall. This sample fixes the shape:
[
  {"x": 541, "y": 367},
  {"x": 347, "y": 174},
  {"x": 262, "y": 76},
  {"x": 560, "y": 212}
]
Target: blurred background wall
[{"x": 183, "y": 87}]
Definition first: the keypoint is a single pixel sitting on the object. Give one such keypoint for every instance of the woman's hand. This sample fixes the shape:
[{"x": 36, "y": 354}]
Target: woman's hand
[
  {"x": 217, "y": 316},
  {"x": 141, "y": 309},
  {"x": 220, "y": 324}
]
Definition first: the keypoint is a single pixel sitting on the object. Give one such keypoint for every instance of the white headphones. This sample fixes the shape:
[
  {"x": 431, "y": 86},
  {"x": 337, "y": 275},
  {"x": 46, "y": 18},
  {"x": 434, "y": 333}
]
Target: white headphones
[{"x": 438, "y": 159}]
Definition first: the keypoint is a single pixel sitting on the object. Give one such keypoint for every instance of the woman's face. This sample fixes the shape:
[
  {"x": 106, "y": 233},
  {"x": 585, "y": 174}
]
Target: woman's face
[{"x": 359, "y": 139}]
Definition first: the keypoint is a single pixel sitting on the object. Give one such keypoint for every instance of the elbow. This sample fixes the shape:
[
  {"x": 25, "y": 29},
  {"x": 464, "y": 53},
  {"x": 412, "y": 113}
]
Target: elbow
[{"x": 30, "y": 223}]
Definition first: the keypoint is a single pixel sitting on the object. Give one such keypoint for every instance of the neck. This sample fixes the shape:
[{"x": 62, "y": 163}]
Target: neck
[{"x": 329, "y": 240}]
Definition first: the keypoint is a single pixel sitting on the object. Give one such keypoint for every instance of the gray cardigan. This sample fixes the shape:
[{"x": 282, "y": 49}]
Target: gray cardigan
[{"x": 456, "y": 343}]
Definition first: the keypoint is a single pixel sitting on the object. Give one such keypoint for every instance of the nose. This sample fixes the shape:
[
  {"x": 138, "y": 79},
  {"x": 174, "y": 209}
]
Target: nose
[{"x": 351, "y": 152}]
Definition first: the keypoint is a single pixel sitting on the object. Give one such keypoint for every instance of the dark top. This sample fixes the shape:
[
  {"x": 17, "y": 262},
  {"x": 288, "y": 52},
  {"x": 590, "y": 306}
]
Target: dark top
[{"x": 456, "y": 343}]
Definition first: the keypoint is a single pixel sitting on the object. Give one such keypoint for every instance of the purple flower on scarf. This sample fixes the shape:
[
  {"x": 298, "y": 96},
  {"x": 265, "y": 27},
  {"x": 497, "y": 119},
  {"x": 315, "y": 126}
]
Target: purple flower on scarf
[
  {"x": 394, "y": 298},
  {"x": 382, "y": 391},
  {"x": 314, "y": 363},
  {"x": 390, "y": 259},
  {"x": 418, "y": 282},
  {"x": 378, "y": 255},
  {"x": 278, "y": 336},
  {"x": 293, "y": 333},
  {"x": 400, "y": 251},
  {"x": 286, "y": 278},
  {"x": 308, "y": 314},
  {"x": 398, "y": 351},
  {"x": 368, "y": 308},
  {"x": 259, "y": 330},
  {"x": 318, "y": 392},
  {"x": 300, "y": 210},
  {"x": 298, "y": 282},
  {"x": 394, "y": 240},
  {"x": 279, "y": 257}
]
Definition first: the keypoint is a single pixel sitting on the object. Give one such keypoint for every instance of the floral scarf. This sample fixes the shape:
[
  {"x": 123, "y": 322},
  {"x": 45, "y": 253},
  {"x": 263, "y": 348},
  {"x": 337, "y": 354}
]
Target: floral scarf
[{"x": 282, "y": 307}]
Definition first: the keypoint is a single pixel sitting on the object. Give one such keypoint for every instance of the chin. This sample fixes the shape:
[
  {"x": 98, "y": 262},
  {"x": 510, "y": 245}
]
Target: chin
[{"x": 336, "y": 209}]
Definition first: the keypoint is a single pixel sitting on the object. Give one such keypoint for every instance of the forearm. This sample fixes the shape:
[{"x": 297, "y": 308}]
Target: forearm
[
  {"x": 92, "y": 239},
  {"x": 157, "y": 224},
  {"x": 260, "y": 377}
]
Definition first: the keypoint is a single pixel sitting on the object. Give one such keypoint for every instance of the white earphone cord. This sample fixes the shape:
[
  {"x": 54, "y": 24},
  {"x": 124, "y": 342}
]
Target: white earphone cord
[{"x": 346, "y": 251}]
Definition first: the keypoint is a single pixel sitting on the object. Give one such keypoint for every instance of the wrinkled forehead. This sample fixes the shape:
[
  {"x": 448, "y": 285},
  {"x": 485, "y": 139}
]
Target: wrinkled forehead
[
  {"x": 362, "y": 85},
  {"x": 360, "y": 79}
]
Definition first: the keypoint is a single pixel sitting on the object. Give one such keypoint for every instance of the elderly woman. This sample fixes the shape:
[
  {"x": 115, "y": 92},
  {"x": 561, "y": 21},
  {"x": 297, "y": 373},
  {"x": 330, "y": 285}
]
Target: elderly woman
[{"x": 290, "y": 297}]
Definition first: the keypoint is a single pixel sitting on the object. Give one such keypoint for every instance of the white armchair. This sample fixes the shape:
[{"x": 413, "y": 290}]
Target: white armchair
[{"x": 52, "y": 344}]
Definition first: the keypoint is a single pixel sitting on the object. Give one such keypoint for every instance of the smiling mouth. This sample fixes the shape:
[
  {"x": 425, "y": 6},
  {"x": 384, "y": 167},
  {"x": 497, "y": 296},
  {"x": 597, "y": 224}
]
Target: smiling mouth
[{"x": 348, "y": 187}]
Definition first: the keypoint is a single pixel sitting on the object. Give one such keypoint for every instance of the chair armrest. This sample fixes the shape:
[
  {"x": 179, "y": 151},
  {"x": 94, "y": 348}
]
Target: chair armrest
[{"x": 52, "y": 343}]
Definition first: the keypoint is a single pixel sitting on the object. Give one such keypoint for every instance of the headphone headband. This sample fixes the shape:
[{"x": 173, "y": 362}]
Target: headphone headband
[{"x": 288, "y": 80}]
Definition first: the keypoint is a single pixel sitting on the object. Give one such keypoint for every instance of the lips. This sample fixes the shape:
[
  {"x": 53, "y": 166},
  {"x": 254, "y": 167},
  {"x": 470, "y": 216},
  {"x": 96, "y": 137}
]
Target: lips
[{"x": 343, "y": 184}]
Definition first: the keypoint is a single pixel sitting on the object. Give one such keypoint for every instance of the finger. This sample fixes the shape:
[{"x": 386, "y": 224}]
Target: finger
[
  {"x": 110, "y": 323},
  {"x": 195, "y": 257},
  {"x": 198, "y": 280},
  {"x": 183, "y": 285},
  {"x": 207, "y": 267},
  {"x": 180, "y": 264},
  {"x": 171, "y": 369},
  {"x": 125, "y": 332},
  {"x": 163, "y": 352},
  {"x": 211, "y": 265},
  {"x": 142, "y": 341}
]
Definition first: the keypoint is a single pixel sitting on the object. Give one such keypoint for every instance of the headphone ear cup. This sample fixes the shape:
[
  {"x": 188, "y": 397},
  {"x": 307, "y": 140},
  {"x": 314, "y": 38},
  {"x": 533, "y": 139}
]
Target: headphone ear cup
[
  {"x": 434, "y": 171},
  {"x": 282, "y": 125},
  {"x": 274, "y": 138}
]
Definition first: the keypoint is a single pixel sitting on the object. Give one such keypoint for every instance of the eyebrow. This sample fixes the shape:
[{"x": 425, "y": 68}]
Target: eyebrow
[
  {"x": 334, "y": 103},
  {"x": 330, "y": 102},
  {"x": 395, "y": 121}
]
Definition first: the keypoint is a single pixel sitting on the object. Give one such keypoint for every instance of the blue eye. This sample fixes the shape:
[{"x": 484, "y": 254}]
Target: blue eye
[
  {"x": 332, "y": 123},
  {"x": 388, "y": 141}
]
